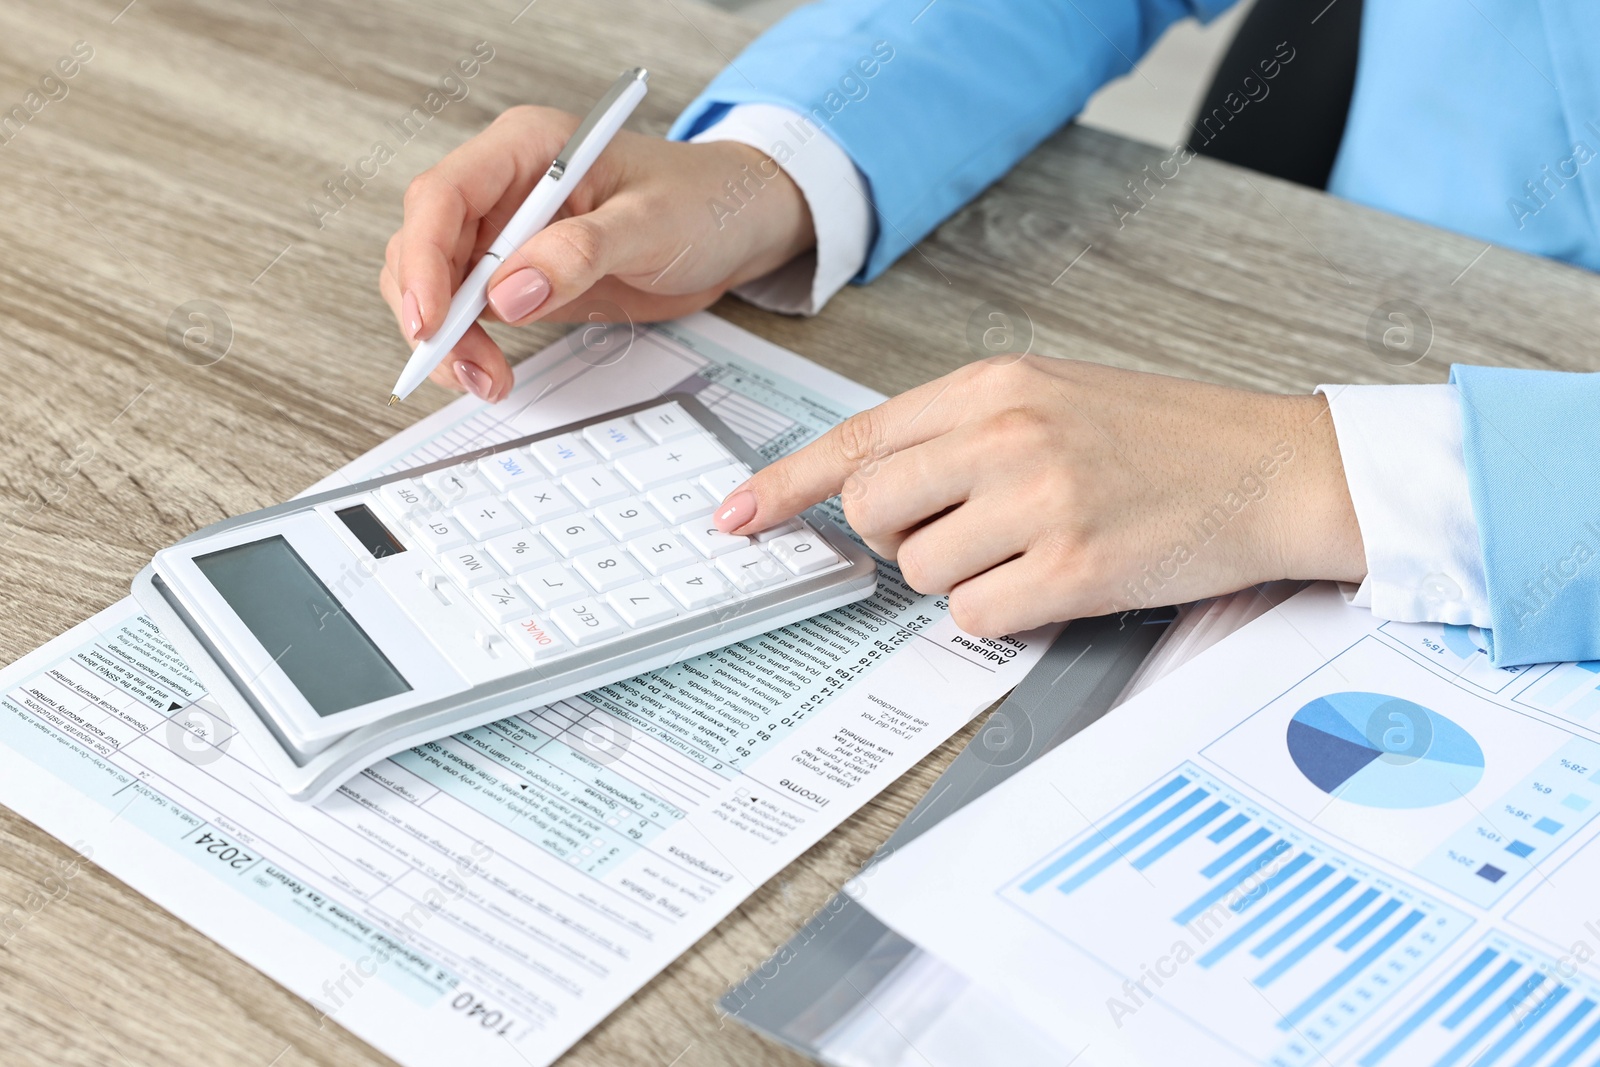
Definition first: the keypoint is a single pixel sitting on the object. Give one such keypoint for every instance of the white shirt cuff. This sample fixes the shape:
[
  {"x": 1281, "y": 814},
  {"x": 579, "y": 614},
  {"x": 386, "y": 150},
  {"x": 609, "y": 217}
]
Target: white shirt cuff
[
  {"x": 1401, "y": 447},
  {"x": 841, "y": 213}
]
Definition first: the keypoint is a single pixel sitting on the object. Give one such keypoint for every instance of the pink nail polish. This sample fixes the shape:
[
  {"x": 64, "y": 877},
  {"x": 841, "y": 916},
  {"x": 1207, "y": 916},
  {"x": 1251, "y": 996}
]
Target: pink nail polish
[
  {"x": 737, "y": 510},
  {"x": 411, "y": 315},
  {"x": 520, "y": 294},
  {"x": 474, "y": 379}
]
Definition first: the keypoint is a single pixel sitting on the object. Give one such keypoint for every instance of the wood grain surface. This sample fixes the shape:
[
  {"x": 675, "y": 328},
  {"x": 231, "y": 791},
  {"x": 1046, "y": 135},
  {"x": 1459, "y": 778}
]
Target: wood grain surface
[{"x": 177, "y": 168}]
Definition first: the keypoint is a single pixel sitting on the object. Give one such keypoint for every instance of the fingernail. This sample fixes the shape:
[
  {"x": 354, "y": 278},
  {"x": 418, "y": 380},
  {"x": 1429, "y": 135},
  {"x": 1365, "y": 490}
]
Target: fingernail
[
  {"x": 520, "y": 294},
  {"x": 737, "y": 510},
  {"x": 474, "y": 379},
  {"x": 411, "y": 314}
]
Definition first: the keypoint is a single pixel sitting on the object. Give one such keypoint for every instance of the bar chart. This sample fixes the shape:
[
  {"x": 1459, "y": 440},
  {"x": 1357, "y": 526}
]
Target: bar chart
[
  {"x": 1219, "y": 892},
  {"x": 1501, "y": 1005},
  {"x": 1570, "y": 691}
]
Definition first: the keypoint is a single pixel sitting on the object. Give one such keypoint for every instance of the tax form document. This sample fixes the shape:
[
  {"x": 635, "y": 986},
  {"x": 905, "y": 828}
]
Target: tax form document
[
  {"x": 1327, "y": 840},
  {"x": 490, "y": 897}
]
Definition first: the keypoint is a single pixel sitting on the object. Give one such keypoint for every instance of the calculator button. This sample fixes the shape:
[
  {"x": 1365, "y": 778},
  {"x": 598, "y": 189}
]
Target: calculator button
[
  {"x": 750, "y": 569},
  {"x": 552, "y": 586},
  {"x": 487, "y": 518},
  {"x": 587, "y": 621},
  {"x": 671, "y": 462},
  {"x": 502, "y": 601},
  {"x": 574, "y": 535},
  {"x": 439, "y": 534},
  {"x": 709, "y": 540},
  {"x": 680, "y": 502},
  {"x": 803, "y": 552},
  {"x": 469, "y": 566},
  {"x": 537, "y": 639},
  {"x": 615, "y": 438},
  {"x": 407, "y": 500},
  {"x": 642, "y": 604},
  {"x": 562, "y": 453},
  {"x": 724, "y": 480},
  {"x": 541, "y": 502},
  {"x": 695, "y": 587},
  {"x": 627, "y": 518},
  {"x": 661, "y": 553},
  {"x": 455, "y": 485},
  {"x": 787, "y": 527},
  {"x": 507, "y": 470},
  {"x": 595, "y": 486},
  {"x": 520, "y": 551},
  {"x": 607, "y": 568},
  {"x": 665, "y": 422}
]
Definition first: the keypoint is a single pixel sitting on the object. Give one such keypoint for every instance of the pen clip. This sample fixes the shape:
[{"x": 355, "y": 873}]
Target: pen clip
[{"x": 559, "y": 166}]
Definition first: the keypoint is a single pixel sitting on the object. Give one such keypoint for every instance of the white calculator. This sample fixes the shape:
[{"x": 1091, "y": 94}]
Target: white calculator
[{"x": 344, "y": 626}]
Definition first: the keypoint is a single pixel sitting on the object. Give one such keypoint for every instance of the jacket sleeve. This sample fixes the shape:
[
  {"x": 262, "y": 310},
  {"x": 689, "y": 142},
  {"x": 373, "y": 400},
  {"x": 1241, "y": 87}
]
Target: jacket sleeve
[
  {"x": 1531, "y": 440},
  {"x": 935, "y": 99}
]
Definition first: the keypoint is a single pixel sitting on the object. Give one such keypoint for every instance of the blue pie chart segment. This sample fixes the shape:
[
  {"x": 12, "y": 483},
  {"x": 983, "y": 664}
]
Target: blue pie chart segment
[
  {"x": 1464, "y": 641},
  {"x": 1381, "y": 751}
]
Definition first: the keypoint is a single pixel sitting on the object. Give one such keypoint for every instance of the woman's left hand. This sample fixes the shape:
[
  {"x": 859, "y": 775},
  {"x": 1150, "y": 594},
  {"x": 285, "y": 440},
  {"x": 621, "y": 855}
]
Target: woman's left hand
[{"x": 1033, "y": 489}]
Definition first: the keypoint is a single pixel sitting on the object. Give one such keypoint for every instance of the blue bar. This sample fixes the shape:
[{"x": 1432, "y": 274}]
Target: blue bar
[
  {"x": 1490, "y": 1021},
  {"x": 1180, "y": 835},
  {"x": 1578, "y": 1047},
  {"x": 1483, "y": 993},
  {"x": 1227, "y": 859},
  {"x": 1262, "y": 891},
  {"x": 1548, "y": 826},
  {"x": 1356, "y": 966},
  {"x": 1309, "y": 912},
  {"x": 1492, "y": 1054},
  {"x": 1553, "y": 1038},
  {"x": 1099, "y": 836},
  {"x": 1434, "y": 1003},
  {"x": 1225, "y": 831},
  {"x": 1266, "y": 915},
  {"x": 1228, "y": 884},
  {"x": 1322, "y": 933},
  {"x": 1133, "y": 840},
  {"x": 1354, "y": 937}
]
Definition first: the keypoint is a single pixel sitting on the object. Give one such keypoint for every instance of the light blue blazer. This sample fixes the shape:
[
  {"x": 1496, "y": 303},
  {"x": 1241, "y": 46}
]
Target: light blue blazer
[{"x": 1480, "y": 117}]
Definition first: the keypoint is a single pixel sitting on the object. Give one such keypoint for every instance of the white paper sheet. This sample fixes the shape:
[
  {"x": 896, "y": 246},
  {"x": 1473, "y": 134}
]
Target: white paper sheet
[
  {"x": 488, "y": 898},
  {"x": 1327, "y": 840}
]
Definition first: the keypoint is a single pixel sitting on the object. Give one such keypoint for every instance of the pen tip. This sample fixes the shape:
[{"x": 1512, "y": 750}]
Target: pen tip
[{"x": 392, "y": 399}]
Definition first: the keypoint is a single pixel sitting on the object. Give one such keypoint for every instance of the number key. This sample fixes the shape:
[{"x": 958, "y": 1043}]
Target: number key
[
  {"x": 574, "y": 535},
  {"x": 661, "y": 553},
  {"x": 695, "y": 587},
  {"x": 607, "y": 568},
  {"x": 680, "y": 502},
  {"x": 627, "y": 518}
]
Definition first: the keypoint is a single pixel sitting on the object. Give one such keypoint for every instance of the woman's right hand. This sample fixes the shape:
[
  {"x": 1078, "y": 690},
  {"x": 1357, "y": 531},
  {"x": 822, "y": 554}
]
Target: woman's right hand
[{"x": 640, "y": 231}]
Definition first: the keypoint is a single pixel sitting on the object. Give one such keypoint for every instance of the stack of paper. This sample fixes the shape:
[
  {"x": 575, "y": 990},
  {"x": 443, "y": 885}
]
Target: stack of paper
[
  {"x": 1326, "y": 840},
  {"x": 489, "y": 897}
]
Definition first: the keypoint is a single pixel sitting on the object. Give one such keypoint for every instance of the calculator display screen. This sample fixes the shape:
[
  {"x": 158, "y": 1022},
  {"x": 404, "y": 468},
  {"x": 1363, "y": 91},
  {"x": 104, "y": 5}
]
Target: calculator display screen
[{"x": 280, "y": 600}]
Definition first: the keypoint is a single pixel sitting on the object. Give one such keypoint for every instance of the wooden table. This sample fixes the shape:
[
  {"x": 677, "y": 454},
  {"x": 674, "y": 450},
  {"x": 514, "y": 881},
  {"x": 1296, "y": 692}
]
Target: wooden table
[{"x": 178, "y": 167}]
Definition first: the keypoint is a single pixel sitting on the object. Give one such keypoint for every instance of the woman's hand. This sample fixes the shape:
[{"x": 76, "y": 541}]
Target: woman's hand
[
  {"x": 1034, "y": 489},
  {"x": 639, "y": 232}
]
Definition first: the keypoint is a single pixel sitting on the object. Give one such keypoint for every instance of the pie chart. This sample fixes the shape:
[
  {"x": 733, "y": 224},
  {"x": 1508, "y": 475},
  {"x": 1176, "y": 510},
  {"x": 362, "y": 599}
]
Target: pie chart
[
  {"x": 1381, "y": 751},
  {"x": 1465, "y": 641}
]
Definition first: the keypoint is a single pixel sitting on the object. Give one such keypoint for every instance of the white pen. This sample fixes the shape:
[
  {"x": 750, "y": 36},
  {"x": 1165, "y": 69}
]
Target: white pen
[{"x": 568, "y": 169}]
